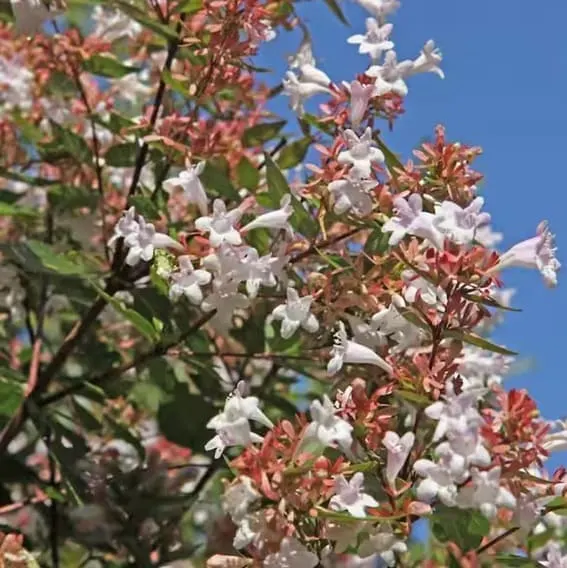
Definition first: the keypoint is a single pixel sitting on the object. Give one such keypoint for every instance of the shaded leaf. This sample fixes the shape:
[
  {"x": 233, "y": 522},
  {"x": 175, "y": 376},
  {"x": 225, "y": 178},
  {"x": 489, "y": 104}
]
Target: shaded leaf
[
  {"x": 248, "y": 175},
  {"x": 294, "y": 153},
  {"x": 477, "y": 341},
  {"x": 107, "y": 66},
  {"x": 258, "y": 134}
]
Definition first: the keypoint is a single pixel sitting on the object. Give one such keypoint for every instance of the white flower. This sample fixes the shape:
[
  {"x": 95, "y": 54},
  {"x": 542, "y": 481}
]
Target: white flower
[
  {"x": 360, "y": 96},
  {"x": 382, "y": 541},
  {"x": 389, "y": 322},
  {"x": 455, "y": 412},
  {"x": 438, "y": 482},
  {"x": 225, "y": 299},
  {"x": 460, "y": 225},
  {"x": 555, "y": 557},
  {"x": 16, "y": 83},
  {"x": 221, "y": 225},
  {"x": 252, "y": 529},
  {"x": 329, "y": 429},
  {"x": 237, "y": 406},
  {"x": 344, "y": 534},
  {"x": 278, "y": 219},
  {"x": 113, "y": 24},
  {"x": 411, "y": 220},
  {"x": 398, "y": 452},
  {"x": 486, "y": 493},
  {"x": 188, "y": 281},
  {"x": 140, "y": 237},
  {"x": 365, "y": 333},
  {"x": 193, "y": 190},
  {"x": 428, "y": 60},
  {"x": 292, "y": 554},
  {"x": 390, "y": 75},
  {"x": 375, "y": 41},
  {"x": 361, "y": 153},
  {"x": 299, "y": 91},
  {"x": 345, "y": 351},
  {"x": 349, "y": 496},
  {"x": 30, "y": 15},
  {"x": 537, "y": 252},
  {"x": 260, "y": 271},
  {"x": 351, "y": 193},
  {"x": 131, "y": 87},
  {"x": 417, "y": 286},
  {"x": 295, "y": 313},
  {"x": 380, "y": 8},
  {"x": 238, "y": 498},
  {"x": 235, "y": 433}
]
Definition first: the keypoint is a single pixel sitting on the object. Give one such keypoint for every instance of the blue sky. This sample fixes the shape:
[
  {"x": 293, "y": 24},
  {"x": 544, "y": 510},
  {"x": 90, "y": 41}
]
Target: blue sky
[{"x": 505, "y": 90}]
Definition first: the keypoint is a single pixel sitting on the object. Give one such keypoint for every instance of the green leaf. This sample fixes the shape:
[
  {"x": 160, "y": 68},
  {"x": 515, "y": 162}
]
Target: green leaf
[
  {"x": 183, "y": 419},
  {"x": 65, "y": 197},
  {"x": 141, "y": 17},
  {"x": 513, "y": 560},
  {"x": 176, "y": 85},
  {"x": 336, "y": 9},
  {"x": 137, "y": 320},
  {"x": 70, "y": 143},
  {"x": 477, "y": 341},
  {"x": 56, "y": 262},
  {"x": 122, "y": 155},
  {"x": 107, "y": 66},
  {"x": 145, "y": 207},
  {"x": 377, "y": 242},
  {"x": 217, "y": 180},
  {"x": 248, "y": 175},
  {"x": 392, "y": 161},
  {"x": 188, "y": 6},
  {"x": 294, "y": 153},
  {"x": 258, "y": 134},
  {"x": 277, "y": 188},
  {"x": 11, "y": 395},
  {"x": 489, "y": 302},
  {"x": 414, "y": 397},
  {"x": 463, "y": 527},
  {"x": 10, "y": 210}
]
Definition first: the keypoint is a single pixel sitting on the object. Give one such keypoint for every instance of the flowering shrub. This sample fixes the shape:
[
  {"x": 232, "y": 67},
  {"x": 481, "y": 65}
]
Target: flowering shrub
[{"x": 212, "y": 354}]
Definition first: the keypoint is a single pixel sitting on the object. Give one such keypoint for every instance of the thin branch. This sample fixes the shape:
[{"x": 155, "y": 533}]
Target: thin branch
[
  {"x": 496, "y": 540},
  {"x": 158, "y": 350},
  {"x": 53, "y": 515},
  {"x": 325, "y": 243}
]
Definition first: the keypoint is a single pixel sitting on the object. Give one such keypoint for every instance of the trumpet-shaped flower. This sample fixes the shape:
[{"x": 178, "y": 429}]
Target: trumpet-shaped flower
[
  {"x": 360, "y": 96},
  {"x": 225, "y": 299},
  {"x": 345, "y": 351},
  {"x": 361, "y": 153},
  {"x": 278, "y": 219},
  {"x": 390, "y": 75},
  {"x": 292, "y": 554},
  {"x": 299, "y": 91},
  {"x": 193, "y": 190},
  {"x": 486, "y": 493},
  {"x": 188, "y": 281},
  {"x": 398, "y": 452},
  {"x": 349, "y": 496},
  {"x": 236, "y": 433},
  {"x": 295, "y": 313},
  {"x": 460, "y": 224},
  {"x": 380, "y": 8},
  {"x": 351, "y": 193},
  {"x": 411, "y": 220},
  {"x": 326, "y": 427},
  {"x": 221, "y": 225},
  {"x": 428, "y": 60},
  {"x": 140, "y": 238},
  {"x": 238, "y": 498},
  {"x": 537, "y": 252},
  {"x": 375, "y": 41}
]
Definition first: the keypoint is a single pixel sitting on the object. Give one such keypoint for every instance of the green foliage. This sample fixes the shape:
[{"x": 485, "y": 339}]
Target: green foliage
[
  {"x": 107, "y": 66},
  {"x": 466, "y": 528},
  {"x": 260, "y": 133}
]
